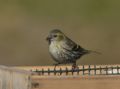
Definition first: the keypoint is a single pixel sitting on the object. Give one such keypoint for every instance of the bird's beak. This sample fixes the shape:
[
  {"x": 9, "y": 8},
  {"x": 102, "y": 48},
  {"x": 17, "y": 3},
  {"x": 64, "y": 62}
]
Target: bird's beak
[{"x": 48, "y": 38}]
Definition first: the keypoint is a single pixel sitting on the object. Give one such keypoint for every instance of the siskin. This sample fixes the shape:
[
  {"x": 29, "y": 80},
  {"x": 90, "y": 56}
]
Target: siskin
[{"x": 63, "y": 50}]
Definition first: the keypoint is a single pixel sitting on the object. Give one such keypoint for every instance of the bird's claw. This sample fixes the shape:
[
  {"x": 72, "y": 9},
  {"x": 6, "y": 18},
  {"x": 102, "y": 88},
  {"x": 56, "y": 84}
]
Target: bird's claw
[{"x": 74, "y": 67}]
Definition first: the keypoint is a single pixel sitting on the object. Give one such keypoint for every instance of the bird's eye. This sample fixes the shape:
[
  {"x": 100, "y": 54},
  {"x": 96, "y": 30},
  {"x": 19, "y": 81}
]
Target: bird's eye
[{"x": 55, "y": 35}]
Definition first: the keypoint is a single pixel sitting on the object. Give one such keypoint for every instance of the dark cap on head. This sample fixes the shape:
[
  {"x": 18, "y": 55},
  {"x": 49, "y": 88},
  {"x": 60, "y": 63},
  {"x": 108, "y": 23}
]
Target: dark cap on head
[{"x": 55, "y": 31}]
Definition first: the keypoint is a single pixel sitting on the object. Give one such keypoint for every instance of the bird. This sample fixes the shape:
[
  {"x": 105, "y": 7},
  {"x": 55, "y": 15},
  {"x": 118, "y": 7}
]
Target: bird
[{"x": 63, "y": 50}]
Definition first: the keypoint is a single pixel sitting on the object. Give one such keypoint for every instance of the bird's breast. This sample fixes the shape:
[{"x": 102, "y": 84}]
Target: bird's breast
[{"x": 55, "y": 50}]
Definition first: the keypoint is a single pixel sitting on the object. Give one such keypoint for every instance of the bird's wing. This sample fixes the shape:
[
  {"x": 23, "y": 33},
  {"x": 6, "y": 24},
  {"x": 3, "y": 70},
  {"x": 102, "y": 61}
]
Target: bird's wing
[
  {"x": 77, "y": 49},
  {"x": 72, "y": 46},
  {"x": 74, "y": 51}
]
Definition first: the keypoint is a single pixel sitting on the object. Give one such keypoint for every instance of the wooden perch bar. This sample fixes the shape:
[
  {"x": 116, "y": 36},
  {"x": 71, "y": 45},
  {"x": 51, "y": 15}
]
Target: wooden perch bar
[
  {"x": 49, "y": 77},
  {"x": 85, "y": 77}
]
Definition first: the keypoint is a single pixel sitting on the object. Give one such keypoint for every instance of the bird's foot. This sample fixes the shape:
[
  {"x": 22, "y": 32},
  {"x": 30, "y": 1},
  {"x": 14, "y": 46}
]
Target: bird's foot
[
  {"x": 74, "y": 67},
  {"x": 55, "y": 64}
]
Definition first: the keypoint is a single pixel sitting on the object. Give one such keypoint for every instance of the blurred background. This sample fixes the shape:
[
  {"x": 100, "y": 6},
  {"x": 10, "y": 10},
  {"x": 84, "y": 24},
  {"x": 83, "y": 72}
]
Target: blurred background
[{"x": 24, "y": 25}]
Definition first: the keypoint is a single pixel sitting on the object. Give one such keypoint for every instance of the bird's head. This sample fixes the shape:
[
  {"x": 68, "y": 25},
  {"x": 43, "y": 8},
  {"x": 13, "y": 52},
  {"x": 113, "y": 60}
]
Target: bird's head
[{"x": 55, "y": 36}]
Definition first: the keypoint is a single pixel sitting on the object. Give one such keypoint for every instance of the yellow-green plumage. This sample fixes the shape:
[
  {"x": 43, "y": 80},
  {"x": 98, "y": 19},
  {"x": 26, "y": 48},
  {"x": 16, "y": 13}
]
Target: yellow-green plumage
[{"x": 62, "y": 49}]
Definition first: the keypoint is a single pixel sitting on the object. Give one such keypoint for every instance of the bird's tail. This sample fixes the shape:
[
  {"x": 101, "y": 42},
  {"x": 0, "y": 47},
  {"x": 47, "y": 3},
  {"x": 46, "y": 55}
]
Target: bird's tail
[{"x": 91, "y": 51}]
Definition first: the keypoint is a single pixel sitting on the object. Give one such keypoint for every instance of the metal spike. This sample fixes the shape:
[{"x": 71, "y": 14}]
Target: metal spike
[
  {"x": 89, "y": 69},
  {"x": 54, "y": 71},
  {"x": 60, "y": 71},
  {"x": 112, "y": 70},
  {"x": 94, "y": 69},
  {"x": 42, "y": 71},
  {"x": 78, "y": 70},
  {"x": 100, "y": 70},
  {"x": 48, "y": 71},
  {"x": 72, "y": 71},
  {"x": 106, "y": 70},
  {"x": 37, "y": 71},
  {"x": 66, "y": 71},
  {"x": 117, "y": 69},
  {"x": 83, "y": 70}
]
